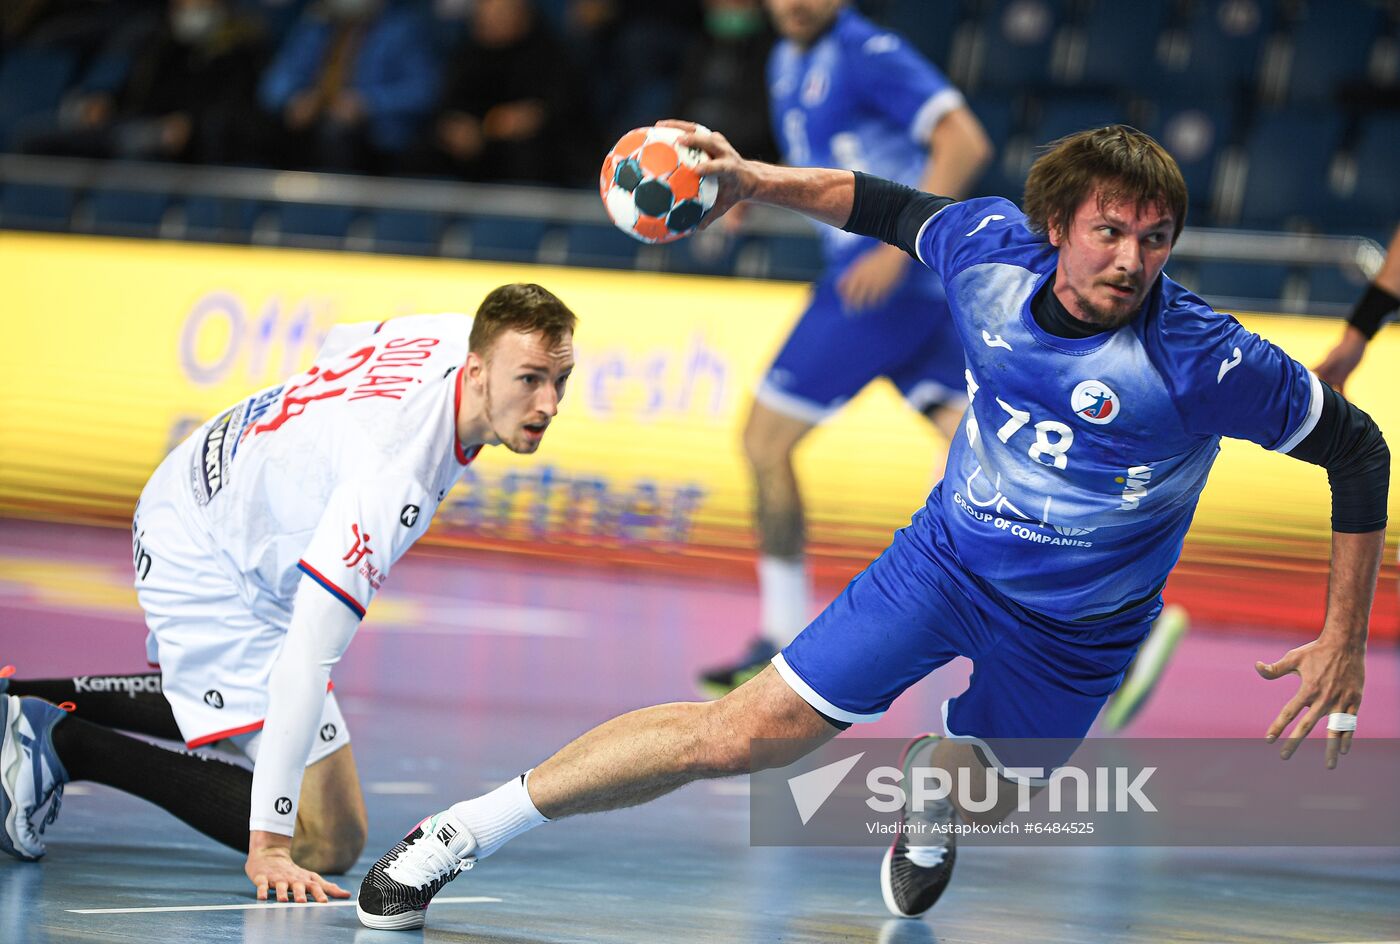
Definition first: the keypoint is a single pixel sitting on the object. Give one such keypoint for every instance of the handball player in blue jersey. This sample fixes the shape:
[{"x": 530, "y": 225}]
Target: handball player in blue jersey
[
  {"x": 845, "y": 93},
  {"x": 1100, "y": 390}
]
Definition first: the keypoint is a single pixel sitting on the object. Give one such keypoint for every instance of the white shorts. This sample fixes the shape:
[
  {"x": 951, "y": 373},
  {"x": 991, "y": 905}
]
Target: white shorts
[{"x": 214, "y": 641}]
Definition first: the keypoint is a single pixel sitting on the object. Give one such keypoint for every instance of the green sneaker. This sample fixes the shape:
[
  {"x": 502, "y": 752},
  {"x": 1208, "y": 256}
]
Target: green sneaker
[
  {"x": 1147, "y": 668},
  {"x": 721, "y": 680}
]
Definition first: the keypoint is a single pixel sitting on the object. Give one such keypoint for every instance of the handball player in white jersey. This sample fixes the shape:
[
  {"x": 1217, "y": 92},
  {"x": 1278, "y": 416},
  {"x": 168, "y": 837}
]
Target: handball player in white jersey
[{"x": 258, "y": 544}]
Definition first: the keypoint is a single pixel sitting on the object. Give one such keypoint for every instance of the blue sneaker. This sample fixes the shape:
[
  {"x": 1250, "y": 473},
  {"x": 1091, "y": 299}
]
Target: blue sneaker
[{"x": 31, "y": 775}]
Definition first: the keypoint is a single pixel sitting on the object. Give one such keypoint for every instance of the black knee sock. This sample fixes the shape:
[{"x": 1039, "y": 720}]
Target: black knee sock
[
  {"x": 128, "y": 702},
  {"x": 211, "y": 795}
]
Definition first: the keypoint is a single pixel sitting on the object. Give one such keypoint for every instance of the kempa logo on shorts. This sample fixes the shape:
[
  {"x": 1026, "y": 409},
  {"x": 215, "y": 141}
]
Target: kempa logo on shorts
[
  {"x": 130, "y": 684},
  {"x": 213, "y": 699},
  {"x": 409, "y": 516},
  {"x": 283, "y": 805},
  {"x": 328, "y": 732}
]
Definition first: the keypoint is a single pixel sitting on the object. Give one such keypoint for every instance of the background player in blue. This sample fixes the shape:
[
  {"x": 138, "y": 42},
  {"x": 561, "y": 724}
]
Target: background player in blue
[
  {"x": 844, "y": 93},
  {"x": 1100, "y": 391}
]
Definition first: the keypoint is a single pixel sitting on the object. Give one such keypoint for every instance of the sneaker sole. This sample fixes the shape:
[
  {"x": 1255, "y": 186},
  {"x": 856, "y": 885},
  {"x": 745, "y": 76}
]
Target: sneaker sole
[
  {"x": 10, "y": 758},
  {"x": 407, "y": 921},
  {"x": 887, "y": 892},
  {"x": 1157, "y": 652}
]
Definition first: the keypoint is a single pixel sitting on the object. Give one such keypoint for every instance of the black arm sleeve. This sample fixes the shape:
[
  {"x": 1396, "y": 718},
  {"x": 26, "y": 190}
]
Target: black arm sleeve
[
  {"x": 1349, "y": 445},
  {"x": 891, "y": 212}
]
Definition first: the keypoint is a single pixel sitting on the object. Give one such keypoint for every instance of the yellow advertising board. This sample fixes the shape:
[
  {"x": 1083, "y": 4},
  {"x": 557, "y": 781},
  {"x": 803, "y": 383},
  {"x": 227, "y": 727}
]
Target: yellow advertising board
[{"x": 114, "y": 349}]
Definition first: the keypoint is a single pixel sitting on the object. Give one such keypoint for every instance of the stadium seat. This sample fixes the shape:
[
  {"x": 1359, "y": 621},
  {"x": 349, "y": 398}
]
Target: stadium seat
[
  {"x": 997, "y": 114},
  {"x": 1331, "y": 46},
  {"x": 406, "y": 231},
  {"x": 128, "y": 213},
  {"x": 1224, "y": 41},
  {"x": 506, "y": 239},
  {"x": 32, "y": 82},
  {"x": 1195, "y": 131},
  {"x": 928, "y": 26},
  {"x": 317, "y": 225},
  {"x": 1068, "y": 114},
  {"x": 1330, "y": 285},
  {"x": 798, "y": 258},
  {"x": 1120, "y": 43},
  {"x": 215, "y": 219},
  {"x": 1375, "y": 201},
  {"x": 34, "y": 206},
  {"x": 1289, "y": 155},
  {"x": 1214, "y": 281},
  {"x": 709, "y": 253},
  {"x": 599, "y": 244},
  {"x": 1016, "y": 40}
]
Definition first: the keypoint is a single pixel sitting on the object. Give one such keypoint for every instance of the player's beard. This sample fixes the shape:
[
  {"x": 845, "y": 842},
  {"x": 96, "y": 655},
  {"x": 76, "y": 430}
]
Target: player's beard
[{"x": 1103, "y": 318}]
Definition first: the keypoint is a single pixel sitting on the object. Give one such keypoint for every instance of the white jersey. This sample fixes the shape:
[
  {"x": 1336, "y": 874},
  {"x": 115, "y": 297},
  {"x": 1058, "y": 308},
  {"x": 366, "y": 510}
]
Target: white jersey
[{"x": 336, "y": 472}]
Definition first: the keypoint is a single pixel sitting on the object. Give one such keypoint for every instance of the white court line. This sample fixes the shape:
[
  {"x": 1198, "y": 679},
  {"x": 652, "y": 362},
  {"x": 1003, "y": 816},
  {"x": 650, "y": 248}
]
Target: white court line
[
  {"x": 261, "y": 905},
  {"x": 399, "y": 788},
  {"x": 730, "y": 788}
]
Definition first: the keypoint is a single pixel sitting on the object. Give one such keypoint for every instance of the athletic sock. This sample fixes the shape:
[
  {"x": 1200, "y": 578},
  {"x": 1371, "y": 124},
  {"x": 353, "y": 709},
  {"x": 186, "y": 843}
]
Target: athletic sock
[
  {"x": 128, "y": 702},
  {"x": 782, "y": 588},
  {"x": 211, "y": 795},
  {"x": 499, "y": 816}
]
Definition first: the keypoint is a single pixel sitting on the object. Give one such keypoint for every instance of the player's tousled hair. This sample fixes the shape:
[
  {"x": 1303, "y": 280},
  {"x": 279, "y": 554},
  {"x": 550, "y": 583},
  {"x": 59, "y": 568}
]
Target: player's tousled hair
[
  {"x": 523, "y": 307},
  {"x": 1122, "y": 162}
]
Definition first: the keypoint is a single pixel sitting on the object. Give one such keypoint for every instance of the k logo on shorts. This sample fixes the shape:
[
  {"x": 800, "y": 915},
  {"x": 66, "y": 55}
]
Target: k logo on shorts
[
  {"x": 283, "y": 805},
  {"x": 409, "y": 516},
  {"x": 328, "y": 732},
  {"x": 213, "y": 699}
]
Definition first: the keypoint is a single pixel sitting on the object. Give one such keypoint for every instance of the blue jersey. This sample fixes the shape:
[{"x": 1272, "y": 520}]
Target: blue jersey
[
  {"x": 858, "y": 98},
  {"x": 1073, "y": 480}
]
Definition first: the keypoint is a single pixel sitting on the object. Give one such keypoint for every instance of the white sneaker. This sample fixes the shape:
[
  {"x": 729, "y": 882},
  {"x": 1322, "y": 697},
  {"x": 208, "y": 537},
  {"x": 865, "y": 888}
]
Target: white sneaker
[
  {"x": 31, "y": 775},
  {"x": 396, "y": 891}
]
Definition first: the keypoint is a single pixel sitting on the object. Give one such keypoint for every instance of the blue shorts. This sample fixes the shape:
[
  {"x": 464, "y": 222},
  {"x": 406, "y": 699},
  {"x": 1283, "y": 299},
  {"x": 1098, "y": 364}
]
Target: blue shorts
[
  {"x": 832, "y": 354},
  {"x": 917, "y": 607}
]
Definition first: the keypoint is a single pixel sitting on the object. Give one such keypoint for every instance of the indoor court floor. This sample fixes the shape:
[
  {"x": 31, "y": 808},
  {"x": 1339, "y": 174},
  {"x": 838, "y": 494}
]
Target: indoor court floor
[{"x": 472, "y": 668}]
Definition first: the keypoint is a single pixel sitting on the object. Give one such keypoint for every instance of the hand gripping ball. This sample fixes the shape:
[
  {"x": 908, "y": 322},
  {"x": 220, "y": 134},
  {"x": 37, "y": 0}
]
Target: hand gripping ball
[{"x": 650, "y": 188}]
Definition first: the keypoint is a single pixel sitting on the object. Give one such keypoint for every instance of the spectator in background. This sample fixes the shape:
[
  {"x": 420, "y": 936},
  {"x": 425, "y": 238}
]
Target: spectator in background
[
  {"x": 83, "y": 26},
  {"x": 511, "y": 109},
  {"x": 351, "y": 85},
  {"x": 182, "y": 90},
  {"x": 631, "y": 51},
  {"x": 722, "y": 76}
]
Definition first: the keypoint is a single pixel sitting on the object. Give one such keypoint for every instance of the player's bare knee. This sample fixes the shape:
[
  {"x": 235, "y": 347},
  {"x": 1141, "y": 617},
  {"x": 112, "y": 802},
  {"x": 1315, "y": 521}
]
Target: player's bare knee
[
  {"x": 711, "y": 746},
  {"x": 764, "y": 451},
  {"x": 333, "y": 854}
]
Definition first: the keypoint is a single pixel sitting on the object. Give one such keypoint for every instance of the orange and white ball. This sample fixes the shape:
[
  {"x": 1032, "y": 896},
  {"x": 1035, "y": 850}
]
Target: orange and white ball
[{"x": 650, "y": 188}]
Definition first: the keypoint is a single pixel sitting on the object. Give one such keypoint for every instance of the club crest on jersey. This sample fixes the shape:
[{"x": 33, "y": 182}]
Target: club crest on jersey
[{"x": 1094, "y": 402}]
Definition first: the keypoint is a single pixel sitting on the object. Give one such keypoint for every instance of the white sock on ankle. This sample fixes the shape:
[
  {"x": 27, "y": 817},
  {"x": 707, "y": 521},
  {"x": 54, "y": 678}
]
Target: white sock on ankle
[
  {"x": 499, "y": 816},
  {"x": 782, "y": 590}
]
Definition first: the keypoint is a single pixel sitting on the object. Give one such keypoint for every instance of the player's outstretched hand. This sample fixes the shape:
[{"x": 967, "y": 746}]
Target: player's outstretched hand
[
  {"x": 733, "y": 173},
  {"x": 1337, "y": 366},
  {"x": 271, "y": 869},
  {"x": 871, "y": 278},
  {"x": 1331, "y": 678}
]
